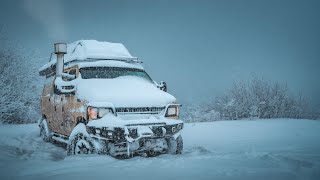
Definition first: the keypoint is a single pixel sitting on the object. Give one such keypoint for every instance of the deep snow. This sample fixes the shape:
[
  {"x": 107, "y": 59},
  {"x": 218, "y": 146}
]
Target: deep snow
[{"x": 246, "y": 149}]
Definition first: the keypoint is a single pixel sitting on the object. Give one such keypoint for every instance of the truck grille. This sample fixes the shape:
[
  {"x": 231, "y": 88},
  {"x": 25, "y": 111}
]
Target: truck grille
[{"x": 140, "y": 110}]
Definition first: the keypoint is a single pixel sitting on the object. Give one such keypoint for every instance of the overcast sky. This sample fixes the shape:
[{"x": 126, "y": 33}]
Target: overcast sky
[{"x": 198, "y": 47}]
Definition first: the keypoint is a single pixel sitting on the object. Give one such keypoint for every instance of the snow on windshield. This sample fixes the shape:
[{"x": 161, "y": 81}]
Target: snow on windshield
[{"x": 112, "y": 72}]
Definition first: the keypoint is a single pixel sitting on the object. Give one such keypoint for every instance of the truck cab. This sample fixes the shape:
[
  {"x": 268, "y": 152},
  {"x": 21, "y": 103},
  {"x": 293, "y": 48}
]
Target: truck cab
[{"x": 97, "y": 98}]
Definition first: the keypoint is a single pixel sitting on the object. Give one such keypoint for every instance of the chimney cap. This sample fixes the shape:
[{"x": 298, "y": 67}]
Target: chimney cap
[{"x": 60, "y": 48}]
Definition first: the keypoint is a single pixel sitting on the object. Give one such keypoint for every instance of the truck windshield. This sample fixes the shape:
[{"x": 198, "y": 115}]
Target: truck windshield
[{"x": 112, "y": 72}]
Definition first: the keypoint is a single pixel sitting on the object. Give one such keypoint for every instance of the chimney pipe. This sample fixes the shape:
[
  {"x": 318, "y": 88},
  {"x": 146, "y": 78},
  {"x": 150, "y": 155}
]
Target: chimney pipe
[{"x": 60, "y": 49}]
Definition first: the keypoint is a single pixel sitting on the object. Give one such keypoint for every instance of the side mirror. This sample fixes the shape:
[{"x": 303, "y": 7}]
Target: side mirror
[
  {"x": 69, "y": 77},
  {"x": 163, "y": 86},
  {"x": 64, "y": 87}
]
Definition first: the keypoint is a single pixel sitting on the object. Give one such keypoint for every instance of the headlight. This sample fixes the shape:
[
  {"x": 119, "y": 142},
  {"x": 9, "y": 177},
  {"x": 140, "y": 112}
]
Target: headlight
[
  {"x": 95, "y": 113},
  {"x": 173, "y": 111}
]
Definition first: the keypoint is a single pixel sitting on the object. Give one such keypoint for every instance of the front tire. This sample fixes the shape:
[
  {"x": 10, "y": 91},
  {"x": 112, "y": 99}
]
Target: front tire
[
  {"x": 175, "y": 146},
  {"x": 45, "y": 132},
  {"x": 80, "y": 144}
]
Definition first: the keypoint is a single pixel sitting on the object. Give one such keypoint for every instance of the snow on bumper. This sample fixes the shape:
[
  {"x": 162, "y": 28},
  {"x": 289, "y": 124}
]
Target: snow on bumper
[
  {"x": 133, "y": 133},
  {"x": 117, "y": 130}
]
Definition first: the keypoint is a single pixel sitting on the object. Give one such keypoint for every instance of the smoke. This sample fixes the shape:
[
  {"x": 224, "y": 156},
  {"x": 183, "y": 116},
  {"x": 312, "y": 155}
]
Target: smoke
[{"x": 50, "y": 14}]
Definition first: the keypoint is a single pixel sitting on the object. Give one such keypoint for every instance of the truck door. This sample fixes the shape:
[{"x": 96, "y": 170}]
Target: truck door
[
  {"x": 57, "y": 113},
  {"x": 53, "y": 108},
  {"x": 68, "y": 106},
  {"x": 47, "y": 100}
]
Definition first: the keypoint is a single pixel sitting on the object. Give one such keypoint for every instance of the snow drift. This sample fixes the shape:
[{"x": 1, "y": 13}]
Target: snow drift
[{"x": 261, "y": 149}]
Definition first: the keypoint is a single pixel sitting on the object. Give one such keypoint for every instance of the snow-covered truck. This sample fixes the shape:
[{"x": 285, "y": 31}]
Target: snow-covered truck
[{"x": 97, "y": 98}]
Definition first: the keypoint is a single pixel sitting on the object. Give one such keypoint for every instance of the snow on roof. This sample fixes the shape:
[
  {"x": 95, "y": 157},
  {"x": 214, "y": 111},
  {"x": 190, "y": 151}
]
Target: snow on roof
[{"x": 93, "y": 49}]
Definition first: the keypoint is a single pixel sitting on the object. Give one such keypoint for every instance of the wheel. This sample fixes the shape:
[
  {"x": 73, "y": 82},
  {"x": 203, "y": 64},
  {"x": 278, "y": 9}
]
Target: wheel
[
  {"x": 175, "y": 146},
  {"x": 80, "y": 144},
  {"x": 45, "y": 132}
]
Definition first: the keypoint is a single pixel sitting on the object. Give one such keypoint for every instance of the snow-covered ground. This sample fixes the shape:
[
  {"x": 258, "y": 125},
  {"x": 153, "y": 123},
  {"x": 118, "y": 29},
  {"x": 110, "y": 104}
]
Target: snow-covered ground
[{"x": 246, "y": 149}]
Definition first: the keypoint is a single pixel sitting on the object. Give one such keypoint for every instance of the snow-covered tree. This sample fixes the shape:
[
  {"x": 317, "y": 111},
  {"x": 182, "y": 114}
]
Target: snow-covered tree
[
  {"x": 259, "y": 98},
  {"x": 19, "y": 82},
  {"x": 199, "y": 113}
]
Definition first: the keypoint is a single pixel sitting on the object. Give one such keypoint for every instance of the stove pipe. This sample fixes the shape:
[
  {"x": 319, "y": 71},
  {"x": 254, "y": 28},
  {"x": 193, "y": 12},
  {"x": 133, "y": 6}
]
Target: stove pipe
[{"x": 60, "y": 49}]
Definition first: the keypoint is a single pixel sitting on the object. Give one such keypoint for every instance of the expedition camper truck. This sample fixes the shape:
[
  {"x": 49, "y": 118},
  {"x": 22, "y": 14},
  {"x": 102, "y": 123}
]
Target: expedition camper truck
[{"x": 97, "y": 98}]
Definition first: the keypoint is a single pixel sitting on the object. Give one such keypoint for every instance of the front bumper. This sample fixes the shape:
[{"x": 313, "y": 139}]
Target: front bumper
[{"x": 133, "y": 132}]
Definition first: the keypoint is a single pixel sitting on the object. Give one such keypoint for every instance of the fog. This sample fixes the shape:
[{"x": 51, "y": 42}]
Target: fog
[{"x": 198, "y": 47}]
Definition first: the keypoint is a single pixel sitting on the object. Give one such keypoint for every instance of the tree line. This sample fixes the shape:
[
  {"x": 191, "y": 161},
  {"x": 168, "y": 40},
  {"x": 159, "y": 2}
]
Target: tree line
[{"x": 253, "y": 99}]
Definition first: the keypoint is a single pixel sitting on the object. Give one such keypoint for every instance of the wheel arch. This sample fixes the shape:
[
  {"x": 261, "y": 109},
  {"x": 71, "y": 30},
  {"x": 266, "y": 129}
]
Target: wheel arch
[{"x": 81, "y": 119}]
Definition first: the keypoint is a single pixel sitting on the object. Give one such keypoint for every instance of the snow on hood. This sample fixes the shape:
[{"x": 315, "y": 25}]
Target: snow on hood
[{"x": 127, "y": 91}]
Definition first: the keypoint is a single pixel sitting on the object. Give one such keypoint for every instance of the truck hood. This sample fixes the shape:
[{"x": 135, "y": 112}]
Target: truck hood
[{"x": 127, "y": 91}]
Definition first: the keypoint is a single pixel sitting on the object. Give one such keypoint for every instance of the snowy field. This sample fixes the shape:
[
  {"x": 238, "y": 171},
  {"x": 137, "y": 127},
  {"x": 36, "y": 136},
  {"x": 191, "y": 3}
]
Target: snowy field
[{"x": 247, "y": 149}]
